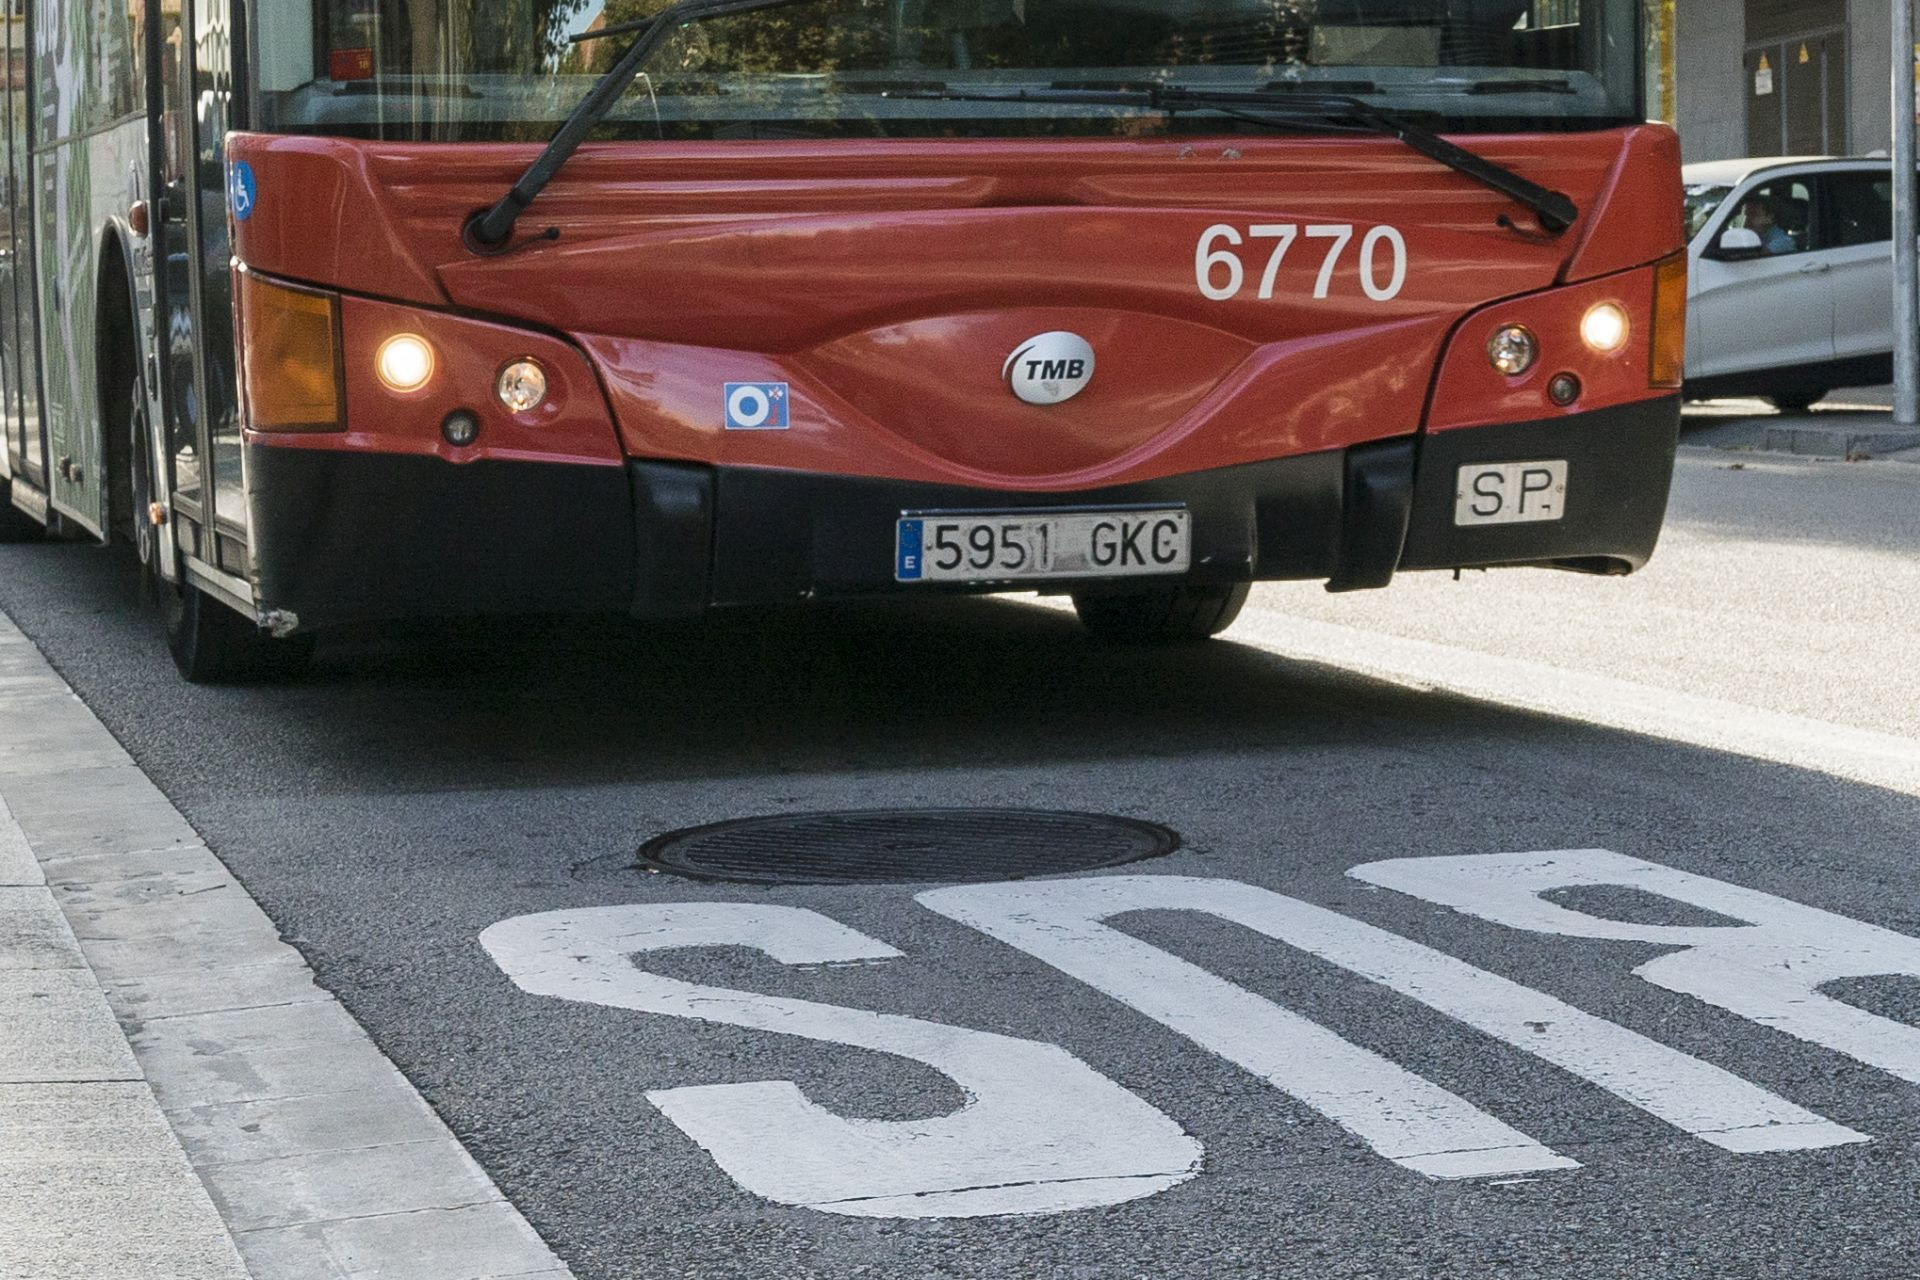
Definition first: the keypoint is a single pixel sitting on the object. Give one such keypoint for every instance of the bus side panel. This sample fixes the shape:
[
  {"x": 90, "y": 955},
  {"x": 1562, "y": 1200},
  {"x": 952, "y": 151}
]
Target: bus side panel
[
  {"x": 19, "y": 348},
  {"x": 85, "y": 175}
]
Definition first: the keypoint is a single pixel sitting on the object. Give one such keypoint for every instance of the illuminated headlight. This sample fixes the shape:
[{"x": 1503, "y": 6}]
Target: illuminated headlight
[
  {"x": 1512, "y": 349},
  {"x": 1604, "y": 327},
  {"x": 404, "y": 362},
  {"x": 522, "y": 386}
]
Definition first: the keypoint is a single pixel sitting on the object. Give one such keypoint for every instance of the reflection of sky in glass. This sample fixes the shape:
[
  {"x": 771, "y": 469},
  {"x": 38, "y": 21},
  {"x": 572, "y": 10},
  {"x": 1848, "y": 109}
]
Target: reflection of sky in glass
[{"x": 574, "y": 16}]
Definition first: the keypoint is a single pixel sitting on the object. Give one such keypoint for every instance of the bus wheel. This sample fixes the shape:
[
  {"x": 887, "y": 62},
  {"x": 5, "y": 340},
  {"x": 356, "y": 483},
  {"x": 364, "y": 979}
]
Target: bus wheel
[
  {"x": 1162, "y": 615},
  {"x": 210, "y": 642},
  {"x": 15, "y": 524},
  {"x": 215, "y": 644}
]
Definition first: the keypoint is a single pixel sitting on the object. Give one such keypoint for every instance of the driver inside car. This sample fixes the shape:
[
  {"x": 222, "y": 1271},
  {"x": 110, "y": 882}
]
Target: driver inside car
[{"x": 1757, "y": 215}]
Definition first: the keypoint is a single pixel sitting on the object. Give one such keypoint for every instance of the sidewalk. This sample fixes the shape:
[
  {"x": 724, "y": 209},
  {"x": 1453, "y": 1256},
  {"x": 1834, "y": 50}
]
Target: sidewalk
[
  {"x": 1854, "y": 424},
  {"x": 178, "y": 1099}
]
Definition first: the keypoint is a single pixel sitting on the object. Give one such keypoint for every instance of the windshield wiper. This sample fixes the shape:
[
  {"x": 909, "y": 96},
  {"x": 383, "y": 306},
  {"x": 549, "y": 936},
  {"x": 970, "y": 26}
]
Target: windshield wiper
[
  {"x": 490, "y": 229},
  {"x": 1291, "y": 109}
]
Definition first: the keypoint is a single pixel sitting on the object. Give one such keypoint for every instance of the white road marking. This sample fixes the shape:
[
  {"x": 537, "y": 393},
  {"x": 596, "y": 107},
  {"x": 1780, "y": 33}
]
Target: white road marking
[
  {"x": 1769, "y": 970},
  {"x": 1408, "y": 1119},
  {"x": 1060, "y": 922},
  {"x": 1880, "y": 759},
  {"x": 1041, "y": 1131}
]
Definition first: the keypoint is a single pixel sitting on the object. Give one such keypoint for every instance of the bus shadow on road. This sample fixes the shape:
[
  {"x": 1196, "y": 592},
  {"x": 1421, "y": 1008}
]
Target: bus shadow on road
[
  {"x": 960, "y": 682},
  {"x": 954, "y": 683}
]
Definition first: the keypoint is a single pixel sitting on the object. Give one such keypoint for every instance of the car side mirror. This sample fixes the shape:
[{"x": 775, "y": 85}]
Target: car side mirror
[{"x": 1736, "y": 244}]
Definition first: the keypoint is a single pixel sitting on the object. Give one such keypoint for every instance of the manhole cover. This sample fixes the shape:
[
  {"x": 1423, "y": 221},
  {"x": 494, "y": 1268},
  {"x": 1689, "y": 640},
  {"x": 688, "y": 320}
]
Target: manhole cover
[{"x": 947, "y": 845}]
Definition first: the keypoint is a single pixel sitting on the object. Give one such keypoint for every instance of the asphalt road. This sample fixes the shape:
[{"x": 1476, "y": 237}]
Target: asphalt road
[{"x": 420, "y": 788}]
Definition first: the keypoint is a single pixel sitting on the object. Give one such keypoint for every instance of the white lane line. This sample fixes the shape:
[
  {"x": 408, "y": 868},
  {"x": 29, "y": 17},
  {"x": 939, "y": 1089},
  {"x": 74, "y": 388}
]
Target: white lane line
[
  {"x": 322, "y": 1159},
  {"x": 1040, "y": 1131},
  {"x": 1860, "y": 755},
  {"x": 1060, "y": 922},
  {"x": 1768, "y": 970}
]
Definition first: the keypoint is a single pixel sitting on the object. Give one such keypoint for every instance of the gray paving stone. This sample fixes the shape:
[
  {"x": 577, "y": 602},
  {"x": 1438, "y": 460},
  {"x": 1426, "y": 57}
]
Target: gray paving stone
[
  {"x": 104, "y": 867},
  {"x": 59, "y": 1028},
  {"x": 108, "y": 827},
  {"x": 244, "y": 1055},
  {"x": 228, "y": 1133},
  {"x": 50, "y": 749},
  {"x": 168, "y": 921},
  {"x": 134, "y": 885},
  {"x": 105, "y": 1218},
  {"x": 325, "y": 1186},
  {"x": 283, "y": 978},
  {"x": 75, "y": 795},
  {"x": 18, "y": 866},
  {"x": 33, "y": 933},
  {"x": 439, "y": 1244},
  {"x": 103, "y": 1120}
]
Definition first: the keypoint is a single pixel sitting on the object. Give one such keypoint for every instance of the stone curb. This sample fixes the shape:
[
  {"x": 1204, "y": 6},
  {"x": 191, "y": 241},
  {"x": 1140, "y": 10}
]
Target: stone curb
[{"x": 321, "y": 1158}]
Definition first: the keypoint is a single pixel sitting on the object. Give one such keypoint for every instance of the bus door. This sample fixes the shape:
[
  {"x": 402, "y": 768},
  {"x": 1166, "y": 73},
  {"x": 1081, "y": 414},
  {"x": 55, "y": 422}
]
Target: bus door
[
  {"x": 195, "y": 294},
  {"x": 21, "y": 432}
]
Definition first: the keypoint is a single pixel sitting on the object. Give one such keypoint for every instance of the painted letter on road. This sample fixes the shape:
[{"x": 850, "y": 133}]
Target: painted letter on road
[{"x": 1040, "y": 1132}]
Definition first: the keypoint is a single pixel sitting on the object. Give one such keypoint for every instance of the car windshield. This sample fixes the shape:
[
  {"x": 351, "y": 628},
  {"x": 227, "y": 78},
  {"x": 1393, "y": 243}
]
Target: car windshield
[
  {"x": 512, "y": 69},
  {"x": 1702, "y": 199}
]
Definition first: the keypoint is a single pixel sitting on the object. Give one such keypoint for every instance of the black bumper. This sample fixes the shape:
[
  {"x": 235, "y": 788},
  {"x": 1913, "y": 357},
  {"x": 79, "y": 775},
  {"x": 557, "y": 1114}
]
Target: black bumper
[{"x": 342, "y": 536}]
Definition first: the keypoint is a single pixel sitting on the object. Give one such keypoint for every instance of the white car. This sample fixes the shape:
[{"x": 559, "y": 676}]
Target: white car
[{"x": 1790, "y": 284}]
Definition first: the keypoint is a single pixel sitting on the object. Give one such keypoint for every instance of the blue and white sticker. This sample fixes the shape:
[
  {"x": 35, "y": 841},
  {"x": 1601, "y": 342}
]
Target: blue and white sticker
[
  {"x": 907, "y": 563},
  {"x": 756, "y": 406},
  {"x": 241, "y": 189}
]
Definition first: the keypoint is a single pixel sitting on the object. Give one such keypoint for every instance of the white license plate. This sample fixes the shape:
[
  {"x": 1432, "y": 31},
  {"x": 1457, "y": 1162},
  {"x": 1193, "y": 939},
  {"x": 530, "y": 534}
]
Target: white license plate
[
  {"x": 1510, "y": 492},
  {"x": 993, "y": 547}
]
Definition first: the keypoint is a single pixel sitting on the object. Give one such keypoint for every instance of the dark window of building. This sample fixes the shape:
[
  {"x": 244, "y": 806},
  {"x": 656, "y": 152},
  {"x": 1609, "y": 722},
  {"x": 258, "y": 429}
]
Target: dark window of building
[{"x": 1796, "y": 85}]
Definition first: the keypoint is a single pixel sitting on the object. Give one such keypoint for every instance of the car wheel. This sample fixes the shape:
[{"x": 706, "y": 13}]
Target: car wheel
[
  {"x": 1161, "y": 615},
  {"x": 1797, "y": 399}
]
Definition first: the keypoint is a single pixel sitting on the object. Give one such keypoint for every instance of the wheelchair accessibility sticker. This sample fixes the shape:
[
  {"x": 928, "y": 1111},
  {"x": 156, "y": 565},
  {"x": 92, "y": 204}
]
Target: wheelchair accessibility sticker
[{"x": 241, "y": 190}]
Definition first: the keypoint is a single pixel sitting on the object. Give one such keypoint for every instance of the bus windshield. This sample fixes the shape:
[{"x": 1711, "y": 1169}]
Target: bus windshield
[{"x": 463, "y": 70}]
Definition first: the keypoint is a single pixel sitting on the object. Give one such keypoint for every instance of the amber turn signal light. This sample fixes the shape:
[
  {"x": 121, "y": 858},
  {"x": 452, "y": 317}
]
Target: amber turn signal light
[
  {"x": 1669, "y": 322},
  {"x": 292, "y": 356}
]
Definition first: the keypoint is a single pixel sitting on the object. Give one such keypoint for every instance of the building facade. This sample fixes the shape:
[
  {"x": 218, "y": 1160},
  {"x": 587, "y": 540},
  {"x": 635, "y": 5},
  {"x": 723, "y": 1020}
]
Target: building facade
[{"x": 1780, "y": 77}]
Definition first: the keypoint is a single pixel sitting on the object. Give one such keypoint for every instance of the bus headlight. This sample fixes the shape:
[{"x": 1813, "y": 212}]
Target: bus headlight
[
  {"x": 404, "y": 362},
  {"x": 1604, "y": 327},
  {"x": 1512, "y": 349},
  {"x": 522, "y": 386}
]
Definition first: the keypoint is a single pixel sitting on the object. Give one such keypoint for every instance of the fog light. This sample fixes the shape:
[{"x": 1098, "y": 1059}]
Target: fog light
[
  {"x": 1512, "y": 350},
  {"x": 1604, "y": 327},
  {"x": 461, "y": 428},
  {"x": 1563, "y": 389},
  {"x": 404, "y": 362},
  {"x": 521, "y": 386}
]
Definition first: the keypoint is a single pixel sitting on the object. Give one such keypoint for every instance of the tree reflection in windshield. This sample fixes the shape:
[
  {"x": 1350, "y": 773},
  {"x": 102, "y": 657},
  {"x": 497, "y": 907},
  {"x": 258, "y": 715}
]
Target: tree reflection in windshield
[{"x": 512, "y": 68}]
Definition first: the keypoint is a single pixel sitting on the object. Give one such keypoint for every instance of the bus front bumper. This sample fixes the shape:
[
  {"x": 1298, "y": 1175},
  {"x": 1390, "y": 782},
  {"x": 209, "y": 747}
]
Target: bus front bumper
[{"x": 345, "y": 536}]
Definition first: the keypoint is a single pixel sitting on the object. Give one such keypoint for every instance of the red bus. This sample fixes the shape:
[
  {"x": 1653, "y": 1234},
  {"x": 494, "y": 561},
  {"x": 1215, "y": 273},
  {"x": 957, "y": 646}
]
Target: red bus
[{"x": 424, "y": 307}]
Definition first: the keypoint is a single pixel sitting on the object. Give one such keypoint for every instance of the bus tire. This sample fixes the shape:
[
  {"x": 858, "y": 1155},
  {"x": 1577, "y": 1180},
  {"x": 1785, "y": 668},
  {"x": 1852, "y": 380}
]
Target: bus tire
[
  {"x": 210, "y": 642},
  {"x": 15, "y": 524},
  {"x": 1160, "y": 615}
]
